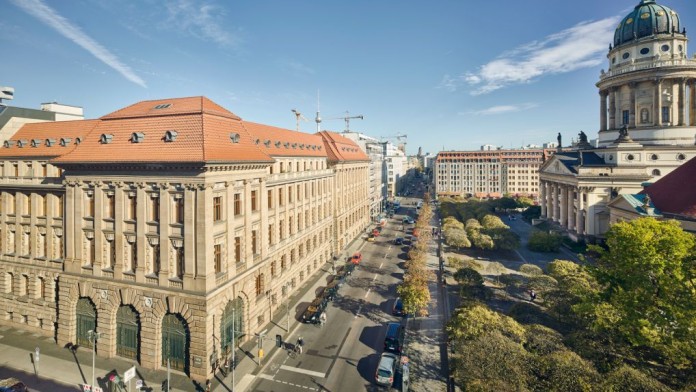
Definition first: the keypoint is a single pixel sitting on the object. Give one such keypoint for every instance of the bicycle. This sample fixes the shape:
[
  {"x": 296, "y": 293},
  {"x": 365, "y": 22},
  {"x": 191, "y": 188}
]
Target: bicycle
[{"x": 294, "y": 350}]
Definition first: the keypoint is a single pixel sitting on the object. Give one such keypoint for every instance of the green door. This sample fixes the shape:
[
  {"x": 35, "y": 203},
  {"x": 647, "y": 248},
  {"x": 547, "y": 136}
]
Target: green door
[
  {"x": 86, "y": 321},
  {"x": 127, "y": 332},
  {"x": 232, "y": 324},
  {"x": 175, "y": 342}
]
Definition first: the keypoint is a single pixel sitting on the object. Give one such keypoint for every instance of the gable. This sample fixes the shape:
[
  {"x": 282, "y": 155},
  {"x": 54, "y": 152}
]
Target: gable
[{"x": 555, "y": 166}]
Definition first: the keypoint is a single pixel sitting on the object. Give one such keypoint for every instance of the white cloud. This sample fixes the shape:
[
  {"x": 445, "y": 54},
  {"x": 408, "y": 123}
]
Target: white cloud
[
  {"x": 50, "y": 17},
  {"x": 296, "y": 67},
  {"x": 202, "y": 20},
  {"x": 580, "y": 46},
  {"x": 501, "y": 109}
]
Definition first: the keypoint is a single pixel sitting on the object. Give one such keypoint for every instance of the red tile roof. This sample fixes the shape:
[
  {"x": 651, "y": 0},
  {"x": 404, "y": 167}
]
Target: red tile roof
[
  {"x": 341, "y": 149},
  {"x": 43, "y": 139},
  {"x": 191, "y": 130},
  {"x": 283, "y": 142},
  {"x": 672, "y": 193}
]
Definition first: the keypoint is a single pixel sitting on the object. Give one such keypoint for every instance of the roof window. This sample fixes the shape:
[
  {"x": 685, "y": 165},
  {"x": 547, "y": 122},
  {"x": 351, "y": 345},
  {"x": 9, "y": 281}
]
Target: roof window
[
  {"x": 78, "y": 140},
  {"x": 234, "y": 137},
  {"x": 9, "y": 143},
  {"x": 50, "y": 142},
  {"x": 106, "y": 138},
  {"x": 294, "y": 145},
  {"x": 163, "y": 106},
  {"x": 64, "y": 141},
  {"x": 35, "y": 142},
  {"x": 301, "y": 146},
  {"x": 257, "y": 141},
  {"x": 137, "y": 137},
  {"x": 286, "y": 144},
  {"x": 277, "y": 144},
  {"x": 21, "y": 143},
  {"x": 267, "y": 143},
  {"x": 170, "y": 136}
]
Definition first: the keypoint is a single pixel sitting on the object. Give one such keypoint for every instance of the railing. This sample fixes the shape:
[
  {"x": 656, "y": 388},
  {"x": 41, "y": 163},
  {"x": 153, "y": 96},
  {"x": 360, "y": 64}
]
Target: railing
[{"x": 620, "y": 70}]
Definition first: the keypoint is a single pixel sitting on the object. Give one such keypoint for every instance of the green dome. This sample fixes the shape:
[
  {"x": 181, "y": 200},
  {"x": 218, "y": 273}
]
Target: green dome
[{"x": 647, "y": 19}]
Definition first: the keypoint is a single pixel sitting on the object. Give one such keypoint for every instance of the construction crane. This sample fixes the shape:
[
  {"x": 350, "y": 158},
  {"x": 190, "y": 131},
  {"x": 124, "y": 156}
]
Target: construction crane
[
  {"x": 399, "y": 137},
  {"x": 345, "y": 118},
  {"x": 298, "y": 117}
]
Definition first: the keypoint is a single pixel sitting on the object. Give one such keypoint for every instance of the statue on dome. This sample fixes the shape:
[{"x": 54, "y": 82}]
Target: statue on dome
[
  {"x": 583, "y": 137},
  {"x": 623, "y": 132},
  {"x": 559, "y": 139}
]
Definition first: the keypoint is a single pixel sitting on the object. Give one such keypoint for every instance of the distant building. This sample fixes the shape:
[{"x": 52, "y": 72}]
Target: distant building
[
  {"x": 395, "y": 169},
  {"x": 488, "y": 173},
  {"x": 489, "y": 147},
  {"x": 378, "y": 184},
  {"x": 12, "y": 118}
]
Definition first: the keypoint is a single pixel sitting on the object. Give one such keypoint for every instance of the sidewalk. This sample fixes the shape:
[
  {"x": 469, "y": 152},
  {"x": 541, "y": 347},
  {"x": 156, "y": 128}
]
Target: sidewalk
[{"x": 60, "y": 369}]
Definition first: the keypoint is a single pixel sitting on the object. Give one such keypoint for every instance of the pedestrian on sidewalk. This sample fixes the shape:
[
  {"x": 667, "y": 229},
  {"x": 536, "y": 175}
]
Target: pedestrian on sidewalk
[
  {"x": 300, "y": 343},
  {"x": 532, "y": 295},
  {"x": 207, "y": 385},
  {"x": 322, "y": 319}
]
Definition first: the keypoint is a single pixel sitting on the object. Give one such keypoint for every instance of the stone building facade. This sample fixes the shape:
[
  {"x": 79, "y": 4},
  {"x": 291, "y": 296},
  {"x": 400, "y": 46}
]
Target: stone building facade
[
  {"x": 182, "y": 228},
  {"x": 647, "y": 124}
]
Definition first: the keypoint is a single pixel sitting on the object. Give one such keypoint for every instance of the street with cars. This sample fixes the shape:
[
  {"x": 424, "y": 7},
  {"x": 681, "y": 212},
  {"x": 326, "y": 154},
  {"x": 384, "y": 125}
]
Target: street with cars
[{"x": 360, "y": 345}]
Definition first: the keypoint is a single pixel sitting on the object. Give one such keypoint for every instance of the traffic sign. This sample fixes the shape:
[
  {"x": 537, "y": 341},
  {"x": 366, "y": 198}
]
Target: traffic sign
[
  {"x": 129, "y": 374},
  {"x": 138, "y": 384},
  {"x": 86, "y": 388}
]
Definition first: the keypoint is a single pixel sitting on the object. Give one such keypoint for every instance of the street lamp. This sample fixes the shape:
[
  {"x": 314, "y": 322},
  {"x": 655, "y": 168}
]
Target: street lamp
[{"x": 93, "y": 336}]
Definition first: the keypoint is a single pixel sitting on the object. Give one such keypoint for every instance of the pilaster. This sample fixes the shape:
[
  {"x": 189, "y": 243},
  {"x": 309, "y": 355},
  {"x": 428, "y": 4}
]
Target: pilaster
[
  {"x": 657, "y": 115},
  {"x": 632, "y": 110},
  {"x": 682, "y": 100},
  {"x": 612, "y": 108},
  {"x": 603, "y": 110}
]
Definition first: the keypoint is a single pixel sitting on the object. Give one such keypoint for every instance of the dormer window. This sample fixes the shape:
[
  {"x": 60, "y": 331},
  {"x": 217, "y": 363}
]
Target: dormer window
[
  {"x": 137, "y": 137},
  {"x": 267, "y": 143},
  {"x": 9, "y": 143},
  {"x": 234, "y": 138},
  {"x": 257, "y": 141},
  {"x": 286, "y": 145},
  {"x": 64, "y": 141},
  {"x": 50, "y": 142},
  {"x": 277, "y": 144},
  {"x": 170, "y": 136},
  {"x": 35, "y": 142},
  {"x": 106, "y": 138},
  {"x": 301, "y": 146},
  {"x": 294, "y": 145},
  {"x": 21, "y": 143},
  {"x": 78, "y": 140}
]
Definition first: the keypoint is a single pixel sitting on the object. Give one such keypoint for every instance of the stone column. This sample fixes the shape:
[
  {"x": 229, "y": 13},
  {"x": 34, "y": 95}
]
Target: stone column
[
  {"x": 142, "y": 204},
  {"x": 692, "y": 112},
  {"x": 632, "y": 114},
  {"x": 657, "y": 115},
  {"x": 554, "y": 198},
  {"x": 68, "y": 221},
  {"x": 603, "y": 110},
  {"x": 119, "y": 216},
  {"x": 166, "y": 202},
  {"x": 571, "y": 205},
  {"x": 100, "y": 241},
  {"x": 563, "y": 194},
  {"x": 612, "y": 108},
  {"x": 549, "y": 201},
  {"x": 542, "y": 197},
  {"x": 682, "y": 101},
  {"x": 189, "y": 233},
  {"x": 248, "y": 255},
  {"x": 579, "y": 224},
  {"x": 262, "y": 200}
]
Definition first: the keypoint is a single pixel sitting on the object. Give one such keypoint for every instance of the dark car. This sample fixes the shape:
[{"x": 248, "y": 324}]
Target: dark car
[
  {"x": 398, "y": 241},
  {"x": 329, "y": 292},
  {"x": 398, "y": 309},
  {"x": 311, "y": 314}
]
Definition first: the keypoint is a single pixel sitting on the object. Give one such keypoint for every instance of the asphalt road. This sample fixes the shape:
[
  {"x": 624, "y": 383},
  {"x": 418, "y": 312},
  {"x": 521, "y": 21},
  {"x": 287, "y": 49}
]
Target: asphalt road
[{"x": 343, "y": 354}]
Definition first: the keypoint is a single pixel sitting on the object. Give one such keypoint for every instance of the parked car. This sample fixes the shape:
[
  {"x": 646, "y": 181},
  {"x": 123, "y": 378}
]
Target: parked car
[
  {"x": 356, "y": 258},
  {"x": 398, "y": 309},
  {"x": 311, "y": 314},
  {"x": 405, "y": 220},
  {"x": 329, "y": 292},
  {"x": 410, "y": 220},
  {"x": 12, "y": 385},
  {"x": 386, "y": 369},
  {"x": 371, "y": 238},
  {"x": 375, "y": 232},
  {"x": 394, "y": 338},
  {"x": 398, "y": 241}
]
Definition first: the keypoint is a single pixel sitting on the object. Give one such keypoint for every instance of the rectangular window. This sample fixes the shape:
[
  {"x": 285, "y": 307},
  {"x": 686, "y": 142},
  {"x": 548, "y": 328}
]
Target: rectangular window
[
  {"x": 132, "y": 206},
  {"x": 259, "y": 284},
  {"x": 270, "y": 199},
  {"x": 217, "y": 208},
  {"x": 218, "y": 258},
  {"x": 281, "y": 201},
  {"x": 154, "y": 208},
  {"x": 237, "y": 204},
  {"x": 299, "y": 196},
  {"x": 281, "y": 230},
  {"x": 27, "y": 205},
  {"x": 270, "y": 234},
  {"x": 625, "y": 117},
  {"x": 110, "y": 206},
  {"x": 90, "y": 205},
  {"x": 290, "y": 195},
  {"x": 179, "y": 210},
  {"x": 237, "y": 249},
  {"x": 253, "y": 201},
  {"x": 254, "y": 241},
  {"x": 665, "y": 114},
  {"x": 44, "y": 170}
]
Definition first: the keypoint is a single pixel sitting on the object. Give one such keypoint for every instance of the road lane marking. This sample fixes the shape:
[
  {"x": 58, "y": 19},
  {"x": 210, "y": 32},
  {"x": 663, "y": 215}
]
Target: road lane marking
[
  {"x": 358, "y": 312},
  {"x": 266, "y": 376},
  {"x": 368, "y": 292},
  {"x": 303, "y": 371},
  {"x": 380, "y": 265}
]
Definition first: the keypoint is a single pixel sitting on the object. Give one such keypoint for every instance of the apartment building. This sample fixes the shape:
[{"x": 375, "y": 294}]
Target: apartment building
[
  {"x": 164, "y": 224},
  {"x": 488, "y": 173}
]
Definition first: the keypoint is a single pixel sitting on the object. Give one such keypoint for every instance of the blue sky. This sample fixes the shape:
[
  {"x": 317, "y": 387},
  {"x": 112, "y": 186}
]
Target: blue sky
[{"x": 449, "y": 74}]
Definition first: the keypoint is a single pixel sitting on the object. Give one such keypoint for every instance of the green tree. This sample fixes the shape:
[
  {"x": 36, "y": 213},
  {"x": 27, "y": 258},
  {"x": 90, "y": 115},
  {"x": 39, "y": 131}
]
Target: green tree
[
  {"x": 415, "y": 295},
  {"x": 564, "y": 371},
  {"x": 473, "y": 321},
  {"x": 542, "y": 340},
  {"x": 482, "y": 241},
  {"x": 649, "y": 270},
  {"x": 540, "y": 241},
  {"x": 523, "y": 201},
  {"x": 533, "y": 212},
  {"x": 468, "y": 277},
  {"x": 575, "y": 287},
  {"x": 457, "y": 238},
  {"x": 451, "y": 222},
  {"x": 504, "y": 239},
  {"x": 531, "y": 270},
  {"x": 628, "y": 379},
  {"x": 493, "y": 222}
]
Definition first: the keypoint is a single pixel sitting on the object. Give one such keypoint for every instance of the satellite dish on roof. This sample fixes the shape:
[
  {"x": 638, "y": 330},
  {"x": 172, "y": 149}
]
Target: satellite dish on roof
[{"x": 6, "y": 93}]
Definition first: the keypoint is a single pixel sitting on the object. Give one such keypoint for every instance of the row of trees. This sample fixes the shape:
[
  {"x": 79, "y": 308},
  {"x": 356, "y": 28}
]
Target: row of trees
[
  {"x": 414, "y": 291},
  {"x": 488, "y": 232},
  {"x": 622, "y": 323}
]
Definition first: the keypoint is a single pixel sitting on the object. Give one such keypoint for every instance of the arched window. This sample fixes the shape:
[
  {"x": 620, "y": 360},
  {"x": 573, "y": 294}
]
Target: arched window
[
  {"x": 232, "y": 325},
  {"x": 175, "y": 342},
  {"x": 127, "y": 332},
  {"x": 86, "y": 321},
  {"x": 656, "y": 172}
]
